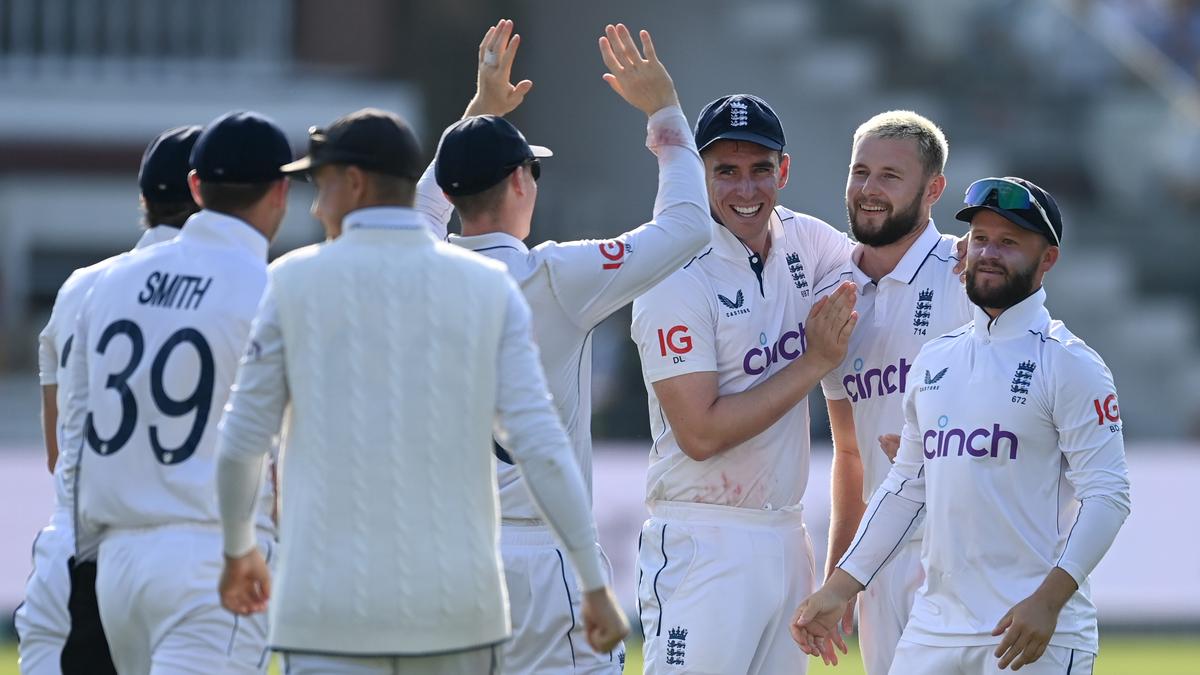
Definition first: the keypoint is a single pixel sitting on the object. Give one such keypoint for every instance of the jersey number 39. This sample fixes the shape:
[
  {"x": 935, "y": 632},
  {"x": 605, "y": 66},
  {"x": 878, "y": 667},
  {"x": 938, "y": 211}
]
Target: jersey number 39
[{"x": 199, "y": 401}]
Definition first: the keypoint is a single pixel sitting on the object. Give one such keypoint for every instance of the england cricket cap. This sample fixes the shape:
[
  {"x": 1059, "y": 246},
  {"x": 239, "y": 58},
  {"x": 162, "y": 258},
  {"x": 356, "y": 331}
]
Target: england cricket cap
[
  {"x": 164, "y": 170},
  {"x": 739, "y": 117},
  {"x": 475, "y": 153},
  {"x": 371, "y": 139},
  {"x": 988, "y": 194},
  {"x": 241, "y": 147}
]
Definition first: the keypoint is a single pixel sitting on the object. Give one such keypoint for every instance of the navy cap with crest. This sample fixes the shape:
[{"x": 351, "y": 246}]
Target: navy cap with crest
[
  {"x": 372, "y": 139},
  {"x": 739, "y": 117},
  {"x": 162, "y": 176},
  {"x": 983, "y": 196},
  {"x": 476, "y": 153},
  {"x": 241, "y": 147}
]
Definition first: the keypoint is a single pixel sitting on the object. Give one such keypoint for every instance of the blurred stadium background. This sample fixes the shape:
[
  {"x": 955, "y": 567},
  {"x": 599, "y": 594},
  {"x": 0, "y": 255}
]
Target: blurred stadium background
[{"x": 1096, "y": 100}]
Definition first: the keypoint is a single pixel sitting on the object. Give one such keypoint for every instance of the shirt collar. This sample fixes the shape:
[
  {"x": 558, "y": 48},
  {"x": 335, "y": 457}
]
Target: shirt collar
[
  {"x": 156, "y": 235},
  {"x": 905, "y": 270},
  {"x": 488, "y": 241},
  {"x": 223, "y": 229},
  {"x": 726, "y": 244},
  {"x": 1028, "y": 315},
  {"x": 385, "y": 217}
]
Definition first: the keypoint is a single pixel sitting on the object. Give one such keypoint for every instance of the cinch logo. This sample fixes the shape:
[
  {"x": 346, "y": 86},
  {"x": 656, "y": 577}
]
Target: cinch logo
[
  {"x": 675, "y": 339},
  {"x": 614, "y": 252},
  {"x": 789, "y": 345},
  {"x": 890, "y": 379},
  {"x": 946, "y": 442},
  {"x": 1108, "y": 411}
]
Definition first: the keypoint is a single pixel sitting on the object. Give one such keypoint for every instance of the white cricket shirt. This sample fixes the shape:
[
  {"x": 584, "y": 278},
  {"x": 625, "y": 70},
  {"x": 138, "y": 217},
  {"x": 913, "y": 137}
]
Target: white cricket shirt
[
  {"x": 573, "y": 286},
  {"x": 157, "y": 344},
  {"x": 717, "y": 314},
  {"x": 1012, "y": 445},
  {"x": 919, "y": 300},
  {"x": 54, "y": 352}
]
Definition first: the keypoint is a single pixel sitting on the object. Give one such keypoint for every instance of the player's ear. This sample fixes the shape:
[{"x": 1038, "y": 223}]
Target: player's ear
[
  {"x": 935, "y": 188},
  {"x": 1049, "y": 258},
  {"x": 785, "y": 165},
  {"x": 193, "y": 182}
]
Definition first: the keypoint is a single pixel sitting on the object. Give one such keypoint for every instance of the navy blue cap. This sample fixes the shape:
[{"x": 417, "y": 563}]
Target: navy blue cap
[
  {"x": 241, "y": 147},
  {"x": 475, "y": 153},
  {"x": 739, "y": 117},
  {"x": 1031, "y": 218},
  {"x": 373, "y": 139},
  {"x": 163, "y": 174}
]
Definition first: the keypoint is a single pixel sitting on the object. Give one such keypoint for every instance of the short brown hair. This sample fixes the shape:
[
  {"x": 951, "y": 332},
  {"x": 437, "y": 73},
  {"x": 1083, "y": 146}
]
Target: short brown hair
[
  {"x": 233, "y": 197},
  {"x": 471, "y": 206}
]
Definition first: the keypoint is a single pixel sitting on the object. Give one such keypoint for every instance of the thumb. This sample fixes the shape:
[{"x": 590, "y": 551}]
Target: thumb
[
  {"x": 1004, "y": 624},
  {"x": 523, "y": 87},
  {"x": 612, "y": 82}
]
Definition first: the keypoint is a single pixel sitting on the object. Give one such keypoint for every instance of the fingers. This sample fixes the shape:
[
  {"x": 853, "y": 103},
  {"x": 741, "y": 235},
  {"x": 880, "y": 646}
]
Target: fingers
[
  {"x": 1014, "y": 650},
  {"x": 487, "y": 39},
  {"x": 648, "y": 46},
  {"x": 1032, "y": 652},
  {"x": 626, "y": 48},
  {"x": 508, "y": 53},
  {"x": 610, "y": 58}
]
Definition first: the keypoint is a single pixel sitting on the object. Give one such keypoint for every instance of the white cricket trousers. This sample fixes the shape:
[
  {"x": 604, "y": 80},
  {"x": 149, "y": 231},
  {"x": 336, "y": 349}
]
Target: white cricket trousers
[
  {"x": 482, "y": 661},
  {"x": 544, "y": 601},
  {"x": 884, "y": 607},
  {"x": 43, "y": 619},
  {"x": 717, "y": 587},
  {"x": 980, "y": 660},
  {"x": 157, "y": 589}
]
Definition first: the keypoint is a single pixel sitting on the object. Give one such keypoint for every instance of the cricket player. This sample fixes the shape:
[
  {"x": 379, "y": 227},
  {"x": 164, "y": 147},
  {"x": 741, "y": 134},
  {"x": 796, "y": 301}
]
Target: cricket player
[
  {"x": 60, "y": 596},
  {"x": 909, "y": 293},
  {"x": 157, "y": 343},
  {"x": 730, "y": 346},
  {"x": 398, "y": 355},
  {"x": 1012, "y": 446},
  {"x": 571, "y": 287}
]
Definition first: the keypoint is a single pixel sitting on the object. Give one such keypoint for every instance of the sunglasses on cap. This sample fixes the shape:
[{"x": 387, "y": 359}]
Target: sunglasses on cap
[
  {"x": 1009, "y": 196},
  {"x": 534, "y": 164}
]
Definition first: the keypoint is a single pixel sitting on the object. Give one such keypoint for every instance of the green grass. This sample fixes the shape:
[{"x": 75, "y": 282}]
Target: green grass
[{"x": 1121, "y": 655}]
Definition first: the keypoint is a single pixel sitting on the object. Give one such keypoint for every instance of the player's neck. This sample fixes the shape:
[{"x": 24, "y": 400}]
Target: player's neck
[
  {"x": 489, "y": 224},
  {"x": 878, "y": 261}
]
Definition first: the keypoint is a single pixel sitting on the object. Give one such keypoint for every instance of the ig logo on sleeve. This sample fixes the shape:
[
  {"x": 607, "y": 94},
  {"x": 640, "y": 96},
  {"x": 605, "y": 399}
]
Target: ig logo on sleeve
[{"x": 676, "y": 340}]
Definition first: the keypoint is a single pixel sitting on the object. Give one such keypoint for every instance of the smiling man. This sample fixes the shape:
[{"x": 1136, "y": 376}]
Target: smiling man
[
  {"x": 909, "y": 293},
  {"x": 730, "y": 346},
  {"x": 1012, "y": 446}
]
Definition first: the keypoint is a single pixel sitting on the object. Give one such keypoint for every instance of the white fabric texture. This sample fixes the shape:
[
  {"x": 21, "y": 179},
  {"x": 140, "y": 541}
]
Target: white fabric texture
[
  {"x": 393, "y": 391},
  {"x": 1012, "y": 444},
  {"x": 714, "y": 315}
]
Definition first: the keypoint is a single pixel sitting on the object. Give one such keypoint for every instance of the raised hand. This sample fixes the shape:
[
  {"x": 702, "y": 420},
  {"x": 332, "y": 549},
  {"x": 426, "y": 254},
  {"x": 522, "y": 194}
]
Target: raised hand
[
  {"x": 245, "y": 583},
  {"x": 643, "y": 82},
  {"x": 603, "y": 621},
  {"x": 495, "y": 94},
  {"x": 829, "y": 324}
]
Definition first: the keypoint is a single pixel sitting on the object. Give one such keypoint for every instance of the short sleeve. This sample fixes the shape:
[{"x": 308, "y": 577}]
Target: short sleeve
[{"x": 674, "y": 327}]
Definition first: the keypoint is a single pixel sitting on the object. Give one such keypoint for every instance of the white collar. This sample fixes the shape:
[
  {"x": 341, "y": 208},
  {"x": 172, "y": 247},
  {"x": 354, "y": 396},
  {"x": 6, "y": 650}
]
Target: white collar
[
  {"x": 385, "y": 217},
  {"x": 222, "y": 228},
  {"x": 906, "y": 269},
  {"x": 1028, "y": 315},
  {"x": 155, "y": 235},
  {"x": 487, "y": 241}
]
